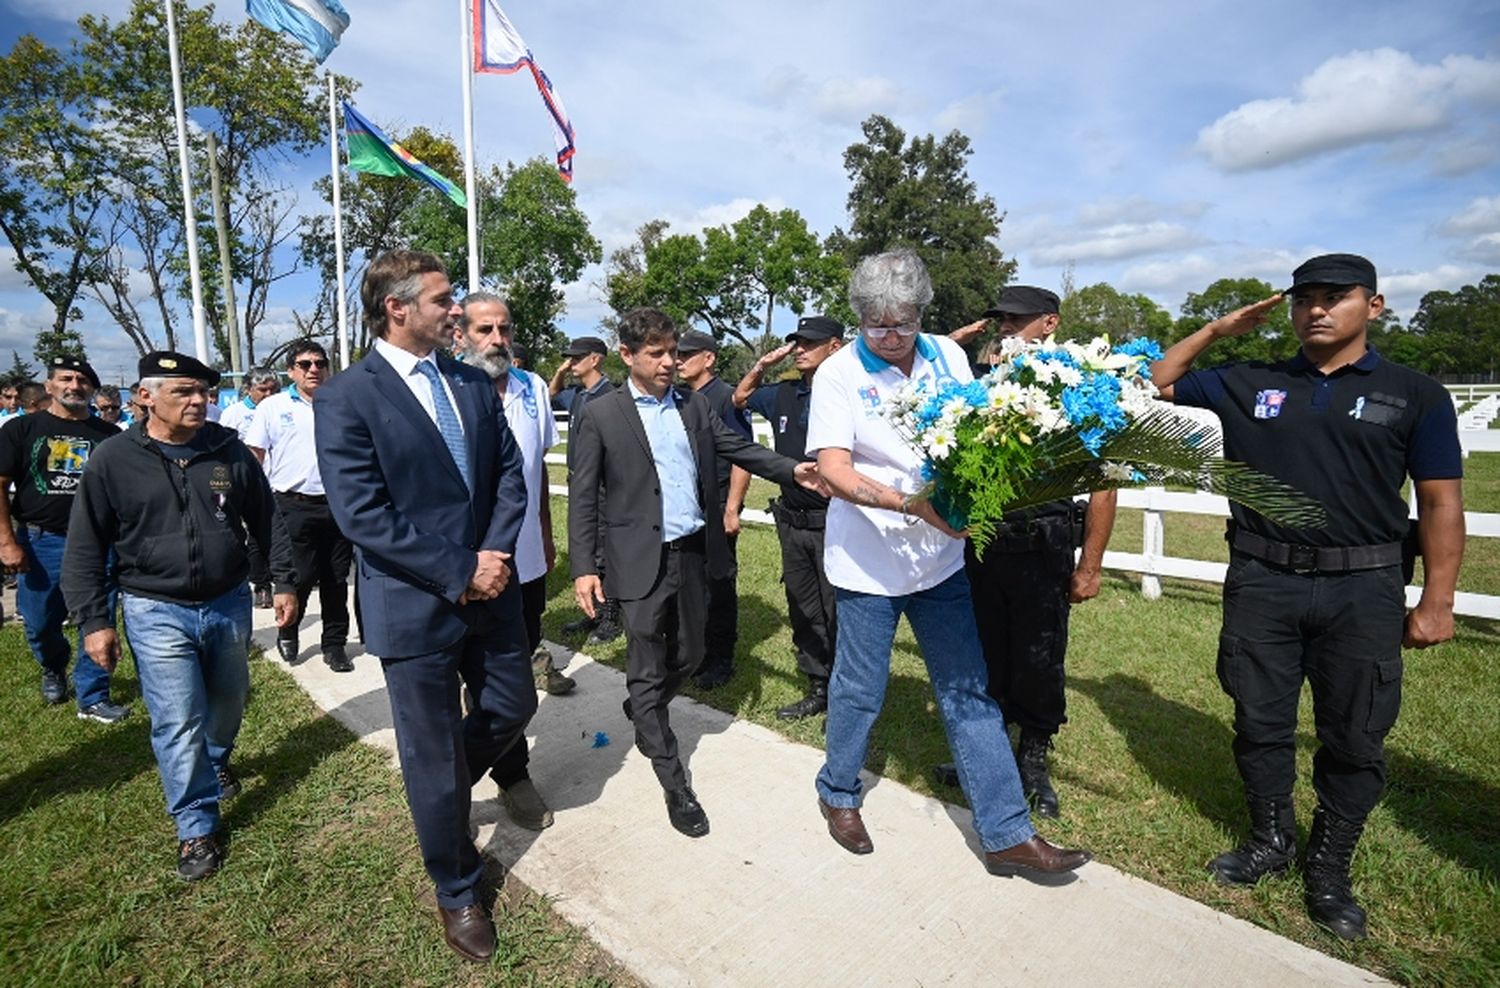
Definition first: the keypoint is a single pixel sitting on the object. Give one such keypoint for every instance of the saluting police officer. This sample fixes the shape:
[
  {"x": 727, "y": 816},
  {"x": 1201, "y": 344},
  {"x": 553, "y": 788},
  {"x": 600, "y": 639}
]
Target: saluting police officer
[
  {"x": 1026, "y": 583},
  {"x": 799, "y": 512},
  {"x": 1344, "y": 425}
]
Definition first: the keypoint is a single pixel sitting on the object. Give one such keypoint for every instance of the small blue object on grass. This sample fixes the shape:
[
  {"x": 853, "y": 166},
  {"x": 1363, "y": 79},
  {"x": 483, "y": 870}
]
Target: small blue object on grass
[{"x": 601, "y": 740}]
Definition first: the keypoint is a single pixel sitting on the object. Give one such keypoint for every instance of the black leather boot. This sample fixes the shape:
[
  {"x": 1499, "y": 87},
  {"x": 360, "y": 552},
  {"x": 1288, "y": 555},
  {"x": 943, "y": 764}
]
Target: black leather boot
[
  {"x": 815, "y": 702},
  {"x": 1271, "y": 848},
  {"x": 1036, "y": 784},
  {"x": 1329, "y": 896}
]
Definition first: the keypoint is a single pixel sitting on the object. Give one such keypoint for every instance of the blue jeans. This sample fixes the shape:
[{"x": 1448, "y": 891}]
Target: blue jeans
[
  {"x": 942, "y": 618},
  {"x": 39, "y": 599},
  {"x": 193, "y": 663}
]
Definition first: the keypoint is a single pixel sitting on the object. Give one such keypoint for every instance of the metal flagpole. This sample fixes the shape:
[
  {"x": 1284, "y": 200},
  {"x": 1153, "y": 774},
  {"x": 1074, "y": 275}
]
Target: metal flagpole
[
  {"x": 336, "y": 171},
  {"x": 189, "y": 218},
  {"x": 467, "y": 61}
]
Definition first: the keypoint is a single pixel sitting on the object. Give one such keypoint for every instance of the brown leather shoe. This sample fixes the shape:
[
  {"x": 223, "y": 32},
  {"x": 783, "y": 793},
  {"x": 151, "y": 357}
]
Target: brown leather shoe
[
  {"x": 847, "y": 828},
  {"x": 469, "y": 932},
  {"x": 1034, "y": 858}
]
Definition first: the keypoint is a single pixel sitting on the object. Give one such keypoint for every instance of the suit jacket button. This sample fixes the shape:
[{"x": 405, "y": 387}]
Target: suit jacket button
[
  {"x": 655, "y": 528},
  {"x": 657, "y": 491}
]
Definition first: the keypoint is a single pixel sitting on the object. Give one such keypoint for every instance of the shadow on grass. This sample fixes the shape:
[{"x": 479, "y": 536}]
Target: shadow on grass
[
  {"x": 1456, "y": 815},
  {"x": 1182, "y": 749}
]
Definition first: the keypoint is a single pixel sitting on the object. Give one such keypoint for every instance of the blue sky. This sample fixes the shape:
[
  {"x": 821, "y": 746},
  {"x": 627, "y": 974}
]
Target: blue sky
[{"x": 1157, "y": 147}]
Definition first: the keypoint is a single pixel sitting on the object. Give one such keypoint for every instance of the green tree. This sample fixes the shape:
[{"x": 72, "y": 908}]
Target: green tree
[
  {"x": 1460, "y": 331},
  {"x": 919, "y": 195},
  {"x": 20, "y": 371},
  {"x": 1094, "y": 309},
  {"x": 1273, "y": 341}
]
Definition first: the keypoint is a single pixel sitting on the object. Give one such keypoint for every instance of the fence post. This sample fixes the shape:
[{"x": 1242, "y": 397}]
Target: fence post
[{"x": 1153, "y": 539}]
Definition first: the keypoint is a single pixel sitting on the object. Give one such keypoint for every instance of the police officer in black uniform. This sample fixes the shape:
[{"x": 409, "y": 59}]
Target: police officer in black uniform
[
  {"x": 1344, "y": 425},
  {"x": 799, "y": 513},
  {"x": 1026, "y": 583}
]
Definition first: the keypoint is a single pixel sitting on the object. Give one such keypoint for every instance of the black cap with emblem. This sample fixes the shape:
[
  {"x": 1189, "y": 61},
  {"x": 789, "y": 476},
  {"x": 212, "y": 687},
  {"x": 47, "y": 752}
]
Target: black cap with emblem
[
  {"x": 66, "y": 361},
  {"x": 1334, "y": 269},
  {"x": 169, "y": 363},
  {"x": 816, "y": 329}
]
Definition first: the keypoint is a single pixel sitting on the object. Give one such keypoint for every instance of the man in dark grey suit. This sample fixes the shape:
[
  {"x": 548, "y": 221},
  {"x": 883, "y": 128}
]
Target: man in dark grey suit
[
  {"x": 655, "y": 448},
  {"x": 424, "y": 477}
]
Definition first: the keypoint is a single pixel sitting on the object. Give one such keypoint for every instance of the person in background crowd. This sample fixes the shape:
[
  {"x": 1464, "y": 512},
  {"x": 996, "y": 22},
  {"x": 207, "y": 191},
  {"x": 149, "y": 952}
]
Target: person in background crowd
[
  {"x": 426, "y": 480},
  {"x": 282, "y": 438},
  {"x": 10, "y": 401},
  {"x": 260, "y": 383},
  {"x": 109, "y": 403},
  {"x": 645, "y": 458},
  {"x": 1024, "y": 586},
  {"x": 1345, "y": 426},
  {"x": 174, "y": 497},
  {"x": 520, "y": 356},
  {"x": 888, "y": 553},
  {"x": 134, "y": 410},
  {"x": 584, "y": 361},
  {"x": 45, "y": 453},
  {"x": 799, "y": 513},
  {"x": 34, "y": 397},
  {"x": 697, "y": 355}
]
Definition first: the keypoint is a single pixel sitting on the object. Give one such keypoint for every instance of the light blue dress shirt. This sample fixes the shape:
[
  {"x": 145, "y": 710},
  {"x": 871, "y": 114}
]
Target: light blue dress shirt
[{"x": 676, "y": 470}]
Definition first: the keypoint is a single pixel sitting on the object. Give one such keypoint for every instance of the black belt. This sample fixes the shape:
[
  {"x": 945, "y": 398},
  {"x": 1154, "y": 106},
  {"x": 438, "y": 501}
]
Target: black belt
[
  {"x": 63, "y": 532},
  {"x": 807, "y": 518},
  {"x": 299, "y": 496},
  {"x": 1026, "y": 536},
  {"x": 1313, "y": 558},
  {"x": 692, "y": 540}
]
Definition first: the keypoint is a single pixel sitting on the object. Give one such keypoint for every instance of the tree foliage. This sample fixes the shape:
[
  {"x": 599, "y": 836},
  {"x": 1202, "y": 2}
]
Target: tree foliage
[
  {"x": 1274, "y": 340},
  {"x": 919, "y": 195},
  {"x": 1094, "y": 309},
  {"x": 730, "y": 281},
  {"x": 1457, "y": 332}
]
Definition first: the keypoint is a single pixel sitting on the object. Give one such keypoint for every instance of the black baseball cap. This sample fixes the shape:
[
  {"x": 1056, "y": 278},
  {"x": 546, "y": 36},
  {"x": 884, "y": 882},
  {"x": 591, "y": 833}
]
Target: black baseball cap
[
  {"x": 169, "y": 363},
  {"x": 695, "y": 342},
  {"x": 585, "y": 345},
  {"x": 816, "y": 329},
  {"x": 1334, "y": 269},
  {"x": 1024, "y": 300},
  {"x": 66, "y": 361}
]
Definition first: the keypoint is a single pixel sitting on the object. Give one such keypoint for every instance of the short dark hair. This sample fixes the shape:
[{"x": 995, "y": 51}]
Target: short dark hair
[
  {"x": 106, "y": 391},
  {"x": 643, "y": 326},
  {"x": 304, "y": 346},
  {"x": 398, "y": 273}
]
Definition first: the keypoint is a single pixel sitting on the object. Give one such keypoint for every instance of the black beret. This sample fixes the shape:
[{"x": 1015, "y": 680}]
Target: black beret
[
  {"x": 168, "y": 363},
  {"x": 815, "y": 329},
  {"x": 66, "y": 361},
  {"x": 1024, "y": 300},
  {"x": 1335, "y": 269}
]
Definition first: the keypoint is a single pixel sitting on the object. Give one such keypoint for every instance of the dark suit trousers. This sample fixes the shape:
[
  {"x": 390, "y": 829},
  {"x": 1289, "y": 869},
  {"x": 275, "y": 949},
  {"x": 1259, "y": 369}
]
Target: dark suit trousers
[
  {"x": 722, "y": 632},
  {"x": 443, "y": 752},
  {"x": 322, "y": 555},
  {"x": 663, "y": 647}
]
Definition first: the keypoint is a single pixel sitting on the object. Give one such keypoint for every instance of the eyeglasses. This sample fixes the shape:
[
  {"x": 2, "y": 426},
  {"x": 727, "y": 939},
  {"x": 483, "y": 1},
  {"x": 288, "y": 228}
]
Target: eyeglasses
[
  {"x": 307, "y": 365},
  {"x": 881, "y": 332}
]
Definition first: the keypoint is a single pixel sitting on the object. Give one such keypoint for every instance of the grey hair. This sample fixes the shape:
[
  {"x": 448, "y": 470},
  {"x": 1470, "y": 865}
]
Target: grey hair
[
  {"x": 475, "y": 298},
  {"x": 884, "y": 283},
  {"x": 256, "y": 376},
  {"x": 151, "y": 384}
]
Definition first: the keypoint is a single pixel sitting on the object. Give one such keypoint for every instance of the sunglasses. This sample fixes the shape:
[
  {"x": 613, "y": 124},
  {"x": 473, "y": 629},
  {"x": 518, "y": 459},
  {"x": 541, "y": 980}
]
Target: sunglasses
[
  {"x": 310, "y": 364},
  {"x": 107, "y": 408}
]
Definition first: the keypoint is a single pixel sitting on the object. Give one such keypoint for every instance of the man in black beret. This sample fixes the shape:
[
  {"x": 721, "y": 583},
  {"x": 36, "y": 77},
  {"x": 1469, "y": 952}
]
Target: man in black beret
[
  {"x": 800, "y": 513},
  {"x": 1347, "y": 427},
  {"x": 1024, "y": 587},
  {"x": 44, "y": 455},
  {"x": 175, "y": 497}
]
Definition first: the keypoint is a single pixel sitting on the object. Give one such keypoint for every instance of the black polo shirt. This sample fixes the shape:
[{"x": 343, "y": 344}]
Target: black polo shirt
[
  {"x": 1348, "y": 439},
  {"x": 785, "y": 405},
  {"x": 721, "y": 399}
]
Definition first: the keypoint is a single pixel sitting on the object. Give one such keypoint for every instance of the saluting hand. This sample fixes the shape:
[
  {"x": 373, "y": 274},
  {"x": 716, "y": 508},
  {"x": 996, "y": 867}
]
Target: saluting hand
[
  {"x": 776, "y": 356},
  {"x": 1241, "y": 321},
  {"x": 963, "y": 334},
  {"x": 103, "y": 646}
]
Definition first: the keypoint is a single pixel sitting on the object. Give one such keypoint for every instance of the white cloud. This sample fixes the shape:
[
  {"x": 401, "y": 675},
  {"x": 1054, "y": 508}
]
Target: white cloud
[
  {"x": 1135, "y": 209},
  {"x": 1410, "y": 286},
  {"x": 1484, "y": 249},
  {"x": 1118, "y": 241},
  {"x": 853, "y": 99},
  {"x": 1481, "y": 215},
  {"x": 1359, "y": 98},
  {"x": 971, "y": 114}
]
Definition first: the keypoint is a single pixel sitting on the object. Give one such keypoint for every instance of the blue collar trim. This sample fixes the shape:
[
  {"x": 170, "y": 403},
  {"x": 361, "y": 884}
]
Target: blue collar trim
[{"x": 873, "y": 363}]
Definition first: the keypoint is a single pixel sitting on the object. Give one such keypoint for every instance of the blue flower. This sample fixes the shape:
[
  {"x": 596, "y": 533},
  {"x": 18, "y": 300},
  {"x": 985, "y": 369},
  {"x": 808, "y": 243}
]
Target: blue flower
[{"x": 1140, "y": 347}]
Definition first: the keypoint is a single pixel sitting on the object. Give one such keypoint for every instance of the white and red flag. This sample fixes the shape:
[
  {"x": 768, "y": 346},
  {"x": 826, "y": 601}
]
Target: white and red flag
[{"x": 498, "y": 48}]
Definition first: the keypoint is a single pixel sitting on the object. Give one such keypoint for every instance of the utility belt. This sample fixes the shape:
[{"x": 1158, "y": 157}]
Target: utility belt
[
  {"x": 35, "y": 530},
  {"x": 1313, "y": 558},
  {"x": 811, "y": 519},
  {"x": 1039, "y": 532},
  {"x": 299, "y": 496}
]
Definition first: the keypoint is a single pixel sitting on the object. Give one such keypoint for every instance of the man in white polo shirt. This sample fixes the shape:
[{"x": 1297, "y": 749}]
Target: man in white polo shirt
[{"x": 281, "y": 437}]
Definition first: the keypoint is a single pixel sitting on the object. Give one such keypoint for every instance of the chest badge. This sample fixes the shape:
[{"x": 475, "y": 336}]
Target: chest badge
[
  {"x": 781, "y": 425},
  {"x": 1268, "y": 403},
  {"x": 870, "y": 397}
]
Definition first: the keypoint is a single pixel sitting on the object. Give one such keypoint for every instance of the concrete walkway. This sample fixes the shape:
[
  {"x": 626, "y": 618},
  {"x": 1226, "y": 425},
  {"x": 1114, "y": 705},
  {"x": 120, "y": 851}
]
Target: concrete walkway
[{"x": 767, "y": 898}]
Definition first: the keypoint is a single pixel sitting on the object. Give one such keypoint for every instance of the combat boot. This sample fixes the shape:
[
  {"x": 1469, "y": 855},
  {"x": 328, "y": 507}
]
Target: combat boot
[
  {"x": 1036, "y": 784},
  {"x": 1271, "y": 848},
  {"x": 1329, "y": 896}
]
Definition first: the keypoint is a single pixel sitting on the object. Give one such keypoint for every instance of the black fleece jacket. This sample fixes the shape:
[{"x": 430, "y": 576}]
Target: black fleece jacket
[{"x": 178, "y": 532}]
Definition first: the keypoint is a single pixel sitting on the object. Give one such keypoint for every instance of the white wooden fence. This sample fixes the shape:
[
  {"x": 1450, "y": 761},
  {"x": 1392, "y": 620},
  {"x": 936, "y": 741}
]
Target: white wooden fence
[{"x": 1156, "y": 503}]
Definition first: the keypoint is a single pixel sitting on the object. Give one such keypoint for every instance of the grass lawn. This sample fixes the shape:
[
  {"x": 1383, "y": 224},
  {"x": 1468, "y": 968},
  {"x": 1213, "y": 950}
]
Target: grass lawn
[
  {"x": 1144, "y": 768},
  {"x": 323, "y": 884}
]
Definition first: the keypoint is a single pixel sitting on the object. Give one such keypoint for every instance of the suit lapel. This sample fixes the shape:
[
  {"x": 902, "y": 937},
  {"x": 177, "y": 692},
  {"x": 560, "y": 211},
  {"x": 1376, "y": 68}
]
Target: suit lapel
[
  {"x": 632, "y": 418},
  {"x": 394, "y": 390}
]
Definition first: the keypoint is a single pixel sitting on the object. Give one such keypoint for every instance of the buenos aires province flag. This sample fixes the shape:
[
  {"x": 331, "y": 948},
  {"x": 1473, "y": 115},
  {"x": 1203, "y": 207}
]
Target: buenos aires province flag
[{"x": 318, "y": 24}]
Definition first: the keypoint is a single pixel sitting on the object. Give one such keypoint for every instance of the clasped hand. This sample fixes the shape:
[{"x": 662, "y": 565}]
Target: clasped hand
[{"x": 490, "y": 576}]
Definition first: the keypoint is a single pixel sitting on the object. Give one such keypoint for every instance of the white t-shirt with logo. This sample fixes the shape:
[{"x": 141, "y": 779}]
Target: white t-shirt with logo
[
  {"x": 874, "y": 550},
  {"x": 283, "y": 427},
  {"x": 528, "y": 412}
]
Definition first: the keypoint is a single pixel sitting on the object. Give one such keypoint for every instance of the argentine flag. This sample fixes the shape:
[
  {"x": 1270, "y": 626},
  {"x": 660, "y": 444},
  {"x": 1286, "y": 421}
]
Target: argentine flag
[{"x": 318, "y": 24}]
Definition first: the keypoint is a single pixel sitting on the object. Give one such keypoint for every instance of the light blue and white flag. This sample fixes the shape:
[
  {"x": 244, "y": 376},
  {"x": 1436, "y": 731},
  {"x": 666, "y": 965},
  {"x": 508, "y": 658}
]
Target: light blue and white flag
[{"x": 318, "y": 24}]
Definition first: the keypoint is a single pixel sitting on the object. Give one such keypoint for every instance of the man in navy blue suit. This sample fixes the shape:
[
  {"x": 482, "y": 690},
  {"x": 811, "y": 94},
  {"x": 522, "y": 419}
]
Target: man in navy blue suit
[{"x": 424, "y": 477}]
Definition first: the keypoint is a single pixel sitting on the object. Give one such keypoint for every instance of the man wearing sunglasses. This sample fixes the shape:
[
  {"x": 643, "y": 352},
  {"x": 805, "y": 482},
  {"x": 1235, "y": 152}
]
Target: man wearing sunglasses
[{"x": 281, "y": 437}]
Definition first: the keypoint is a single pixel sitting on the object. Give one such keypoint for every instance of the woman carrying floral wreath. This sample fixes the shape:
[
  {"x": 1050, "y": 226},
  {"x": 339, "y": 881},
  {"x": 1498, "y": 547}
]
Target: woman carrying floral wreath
[{"x": 888, "y": 553}]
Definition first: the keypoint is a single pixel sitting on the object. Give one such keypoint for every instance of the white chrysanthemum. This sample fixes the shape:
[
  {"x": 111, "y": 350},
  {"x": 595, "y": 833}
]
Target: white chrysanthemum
[
  {"x": 1069, "y": 376},
  {"x": 1006, "y": 395},
  {"x": 1117, "y": 471},
  {"x": 940, "y": 443}
]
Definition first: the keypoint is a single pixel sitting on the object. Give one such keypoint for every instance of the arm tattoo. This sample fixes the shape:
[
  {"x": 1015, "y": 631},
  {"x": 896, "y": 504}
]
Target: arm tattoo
[{"x": 864, "y": 494}]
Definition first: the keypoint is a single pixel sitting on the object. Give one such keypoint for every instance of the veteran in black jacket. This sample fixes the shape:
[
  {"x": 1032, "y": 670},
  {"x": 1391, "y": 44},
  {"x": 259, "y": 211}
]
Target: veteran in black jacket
[
  {"x": 655, "y": 448},
  {"x": 175, "y": 498}
]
